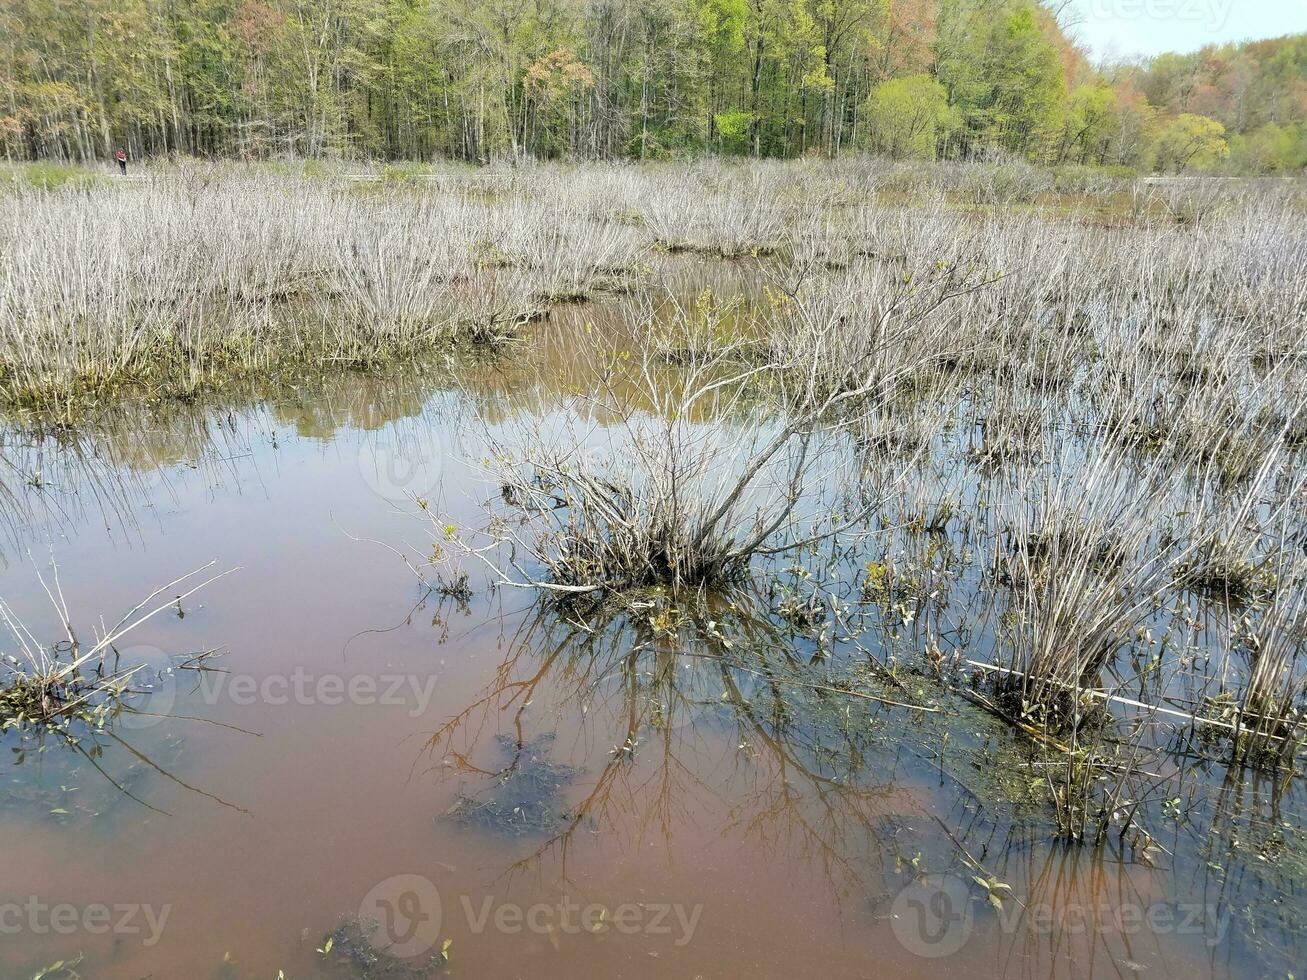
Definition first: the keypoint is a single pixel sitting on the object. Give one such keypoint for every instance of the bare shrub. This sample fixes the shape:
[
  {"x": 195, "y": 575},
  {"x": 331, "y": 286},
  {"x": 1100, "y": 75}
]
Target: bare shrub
[{"x": 681, "y": 480}]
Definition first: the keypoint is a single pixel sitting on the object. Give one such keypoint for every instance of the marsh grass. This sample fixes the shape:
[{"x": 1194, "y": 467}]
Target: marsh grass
[
  {"x": 1271, "y": 720},
  {"x": 1100, "y": 402},
  {"x": 197, "y": 278},
  {"x": 193, "y": 275},
  {"x": 49, "y": 176}
]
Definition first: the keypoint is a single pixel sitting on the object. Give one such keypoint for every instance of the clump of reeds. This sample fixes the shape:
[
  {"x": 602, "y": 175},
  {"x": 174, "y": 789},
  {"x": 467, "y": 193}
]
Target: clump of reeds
[
  {"x": 669, "y": 500},
  {"x": 57, "y": 686},
  {"x": 1085, "y": 564},
  {"x": 728, "y": 211},
  {"x": 1098, "y": 780},
  {"x": 1271, "y": 720}
]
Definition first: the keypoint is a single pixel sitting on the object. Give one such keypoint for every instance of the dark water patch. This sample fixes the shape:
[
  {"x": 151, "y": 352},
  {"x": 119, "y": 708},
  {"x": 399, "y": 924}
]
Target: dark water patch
[{"x": 526, "y": 797}]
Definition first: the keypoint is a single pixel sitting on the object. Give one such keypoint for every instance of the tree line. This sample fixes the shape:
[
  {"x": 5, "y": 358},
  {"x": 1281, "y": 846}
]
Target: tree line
[{"x": 490, "y": 79}]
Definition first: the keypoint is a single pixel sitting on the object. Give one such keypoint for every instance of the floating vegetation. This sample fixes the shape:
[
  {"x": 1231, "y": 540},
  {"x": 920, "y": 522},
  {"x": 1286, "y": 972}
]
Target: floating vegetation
[
  {"x": 525, "y": 798},
  {"x": 60, "y": 970},
  {"x": 349, "y": 952}
]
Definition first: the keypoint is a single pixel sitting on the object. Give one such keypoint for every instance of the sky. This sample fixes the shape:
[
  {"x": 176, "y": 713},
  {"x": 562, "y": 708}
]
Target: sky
[{"x": 1114, "y": 29}]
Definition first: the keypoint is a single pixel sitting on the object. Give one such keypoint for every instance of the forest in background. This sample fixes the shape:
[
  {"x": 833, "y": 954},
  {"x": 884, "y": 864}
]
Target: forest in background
[{"x": 593, "y": 79}]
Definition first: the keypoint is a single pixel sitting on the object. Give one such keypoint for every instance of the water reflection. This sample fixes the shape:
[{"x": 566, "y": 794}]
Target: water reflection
[{"x": 804, "y": 755}]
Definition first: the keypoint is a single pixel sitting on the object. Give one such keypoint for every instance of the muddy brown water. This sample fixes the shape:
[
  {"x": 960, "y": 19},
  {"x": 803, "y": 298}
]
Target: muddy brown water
[{"x": 547, "y": 801}]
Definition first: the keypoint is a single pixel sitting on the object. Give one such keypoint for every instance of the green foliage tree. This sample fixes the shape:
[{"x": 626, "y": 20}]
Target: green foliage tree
[
  {"x": 910, "y": 117},
  {"x": 1088, "y": 124},
  {"x": 719, "y": 27},
  {"x": 1190, "y": 141},
  {"x": 1245, "y": 87},
  {"x": 1269, "y": 149},
  {"x": 1001, "y": 72},
  {"x": 554, "y": 86},
  {"x": 473, "y": 79}
]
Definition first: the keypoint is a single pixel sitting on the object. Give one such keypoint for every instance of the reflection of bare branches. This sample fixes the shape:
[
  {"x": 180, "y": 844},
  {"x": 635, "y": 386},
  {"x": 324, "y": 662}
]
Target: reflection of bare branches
[
  {"x": 136, "y": 753},
  {"x": 781, "y": 798},
  {"x": 736, "y": 710},
  {"x": 1071, "y": 903},
  {"x": 792, "y": 782}
]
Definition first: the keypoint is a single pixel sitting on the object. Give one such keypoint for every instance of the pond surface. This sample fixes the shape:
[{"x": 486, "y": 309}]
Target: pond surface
[{"x": 535, "y": 796}]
